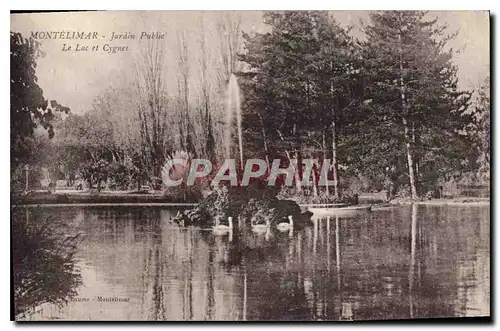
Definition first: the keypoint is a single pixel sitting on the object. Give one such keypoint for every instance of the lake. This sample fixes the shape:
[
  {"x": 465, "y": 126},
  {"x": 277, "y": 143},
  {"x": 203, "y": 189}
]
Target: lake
[{"x": 397, "y": 263}]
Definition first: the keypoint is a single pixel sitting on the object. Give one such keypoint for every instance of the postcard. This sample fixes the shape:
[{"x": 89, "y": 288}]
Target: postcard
[{"x": 250, "y": 165}]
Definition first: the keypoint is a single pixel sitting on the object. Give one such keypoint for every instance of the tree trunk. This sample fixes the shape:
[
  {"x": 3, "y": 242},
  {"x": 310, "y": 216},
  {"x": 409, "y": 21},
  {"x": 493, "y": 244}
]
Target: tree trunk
[
  {"x": 409, "y": 157},
  {"x": 336, "y": 192},
  {"x": 334, "y": 161},
  {"x": 296, "y": 175},
  {"x": 298, "y": 186},
  {"x": 416, "y": 158},
  {"x": 408, "y": 138},
  {"x": 315, "y": 182},
  {"x": 27, "y": 178},
  {"x": 264, "y": 138},
  {"x": 327, "y": 188}
]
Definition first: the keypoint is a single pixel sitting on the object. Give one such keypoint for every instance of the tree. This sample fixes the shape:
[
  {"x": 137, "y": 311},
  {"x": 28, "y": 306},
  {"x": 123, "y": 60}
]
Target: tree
[
  {"x": 185, "y": 125},
  {"x": 338, "y": 82},
  {"x": 206, "y": 99},
  {"x": 412, "y": 83},
  {"x": 85, "y": 146},
  {"x": 229, "y": 31},
  {"x": 152, "y": 105},
  {"x": 482, "y": 130},
  {"x": 298, "y": 85},
  {"x": 28, "y": 107}
]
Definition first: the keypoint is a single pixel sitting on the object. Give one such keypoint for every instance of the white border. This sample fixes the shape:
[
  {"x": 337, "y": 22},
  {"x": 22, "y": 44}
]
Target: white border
[{"x": 197, "y": 5}]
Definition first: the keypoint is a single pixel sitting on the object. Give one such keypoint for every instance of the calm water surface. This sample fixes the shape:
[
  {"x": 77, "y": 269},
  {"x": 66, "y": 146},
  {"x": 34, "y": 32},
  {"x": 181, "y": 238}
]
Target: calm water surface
[{"x": 398, "y": 263}]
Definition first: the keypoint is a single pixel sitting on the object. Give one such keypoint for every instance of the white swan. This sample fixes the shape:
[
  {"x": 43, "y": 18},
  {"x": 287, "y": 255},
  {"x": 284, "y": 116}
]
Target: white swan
[
  {"x": 285, "y": 226},
  {"x": 261, "y": 228},
  {"x": 182, "y": 221},
  {"x": 221, "y": 228}
]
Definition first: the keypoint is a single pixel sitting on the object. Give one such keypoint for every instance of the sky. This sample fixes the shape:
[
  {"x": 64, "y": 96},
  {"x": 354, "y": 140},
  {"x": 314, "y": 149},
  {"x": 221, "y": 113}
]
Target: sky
[{"x": 76, "y": 78}]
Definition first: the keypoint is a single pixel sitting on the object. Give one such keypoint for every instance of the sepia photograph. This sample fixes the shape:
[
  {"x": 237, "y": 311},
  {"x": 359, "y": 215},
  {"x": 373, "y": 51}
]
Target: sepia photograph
[{"x": 305, "y": 165}]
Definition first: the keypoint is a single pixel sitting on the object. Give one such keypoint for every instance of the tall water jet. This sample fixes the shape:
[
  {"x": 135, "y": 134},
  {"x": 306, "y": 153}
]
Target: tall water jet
[
  {"x": 233, "y": 201},
  {"x": 233, "y": 108}
]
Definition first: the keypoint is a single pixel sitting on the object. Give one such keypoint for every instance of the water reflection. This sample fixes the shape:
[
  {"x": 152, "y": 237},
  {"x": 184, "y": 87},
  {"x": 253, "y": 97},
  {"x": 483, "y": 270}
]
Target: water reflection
[{"x": 408, "y": 262}]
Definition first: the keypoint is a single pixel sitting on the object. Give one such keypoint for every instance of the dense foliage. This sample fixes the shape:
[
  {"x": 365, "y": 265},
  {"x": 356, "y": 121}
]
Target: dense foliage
[
  {"x": 28, "y": 107},
  {"x": 387, "y": 110}
]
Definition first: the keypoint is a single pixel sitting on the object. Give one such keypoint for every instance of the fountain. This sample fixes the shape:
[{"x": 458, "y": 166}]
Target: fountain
[
  {"x": 254, "y": 203},
  {"x": 233, "y": 108}
]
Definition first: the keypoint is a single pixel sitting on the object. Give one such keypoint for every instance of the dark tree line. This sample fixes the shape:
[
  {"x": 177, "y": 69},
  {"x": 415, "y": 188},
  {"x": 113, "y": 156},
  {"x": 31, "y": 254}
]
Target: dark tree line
[{"x": 386, "y": 108}]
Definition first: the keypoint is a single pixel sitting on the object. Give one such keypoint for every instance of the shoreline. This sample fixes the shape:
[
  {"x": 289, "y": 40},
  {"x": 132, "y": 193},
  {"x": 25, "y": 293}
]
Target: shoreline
[
  {"x": 464, "y": 201},
  {"x": 118, "y": 204},
  {"x": 107, "y": 199},
  {"x": 87, "y": 198}
]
